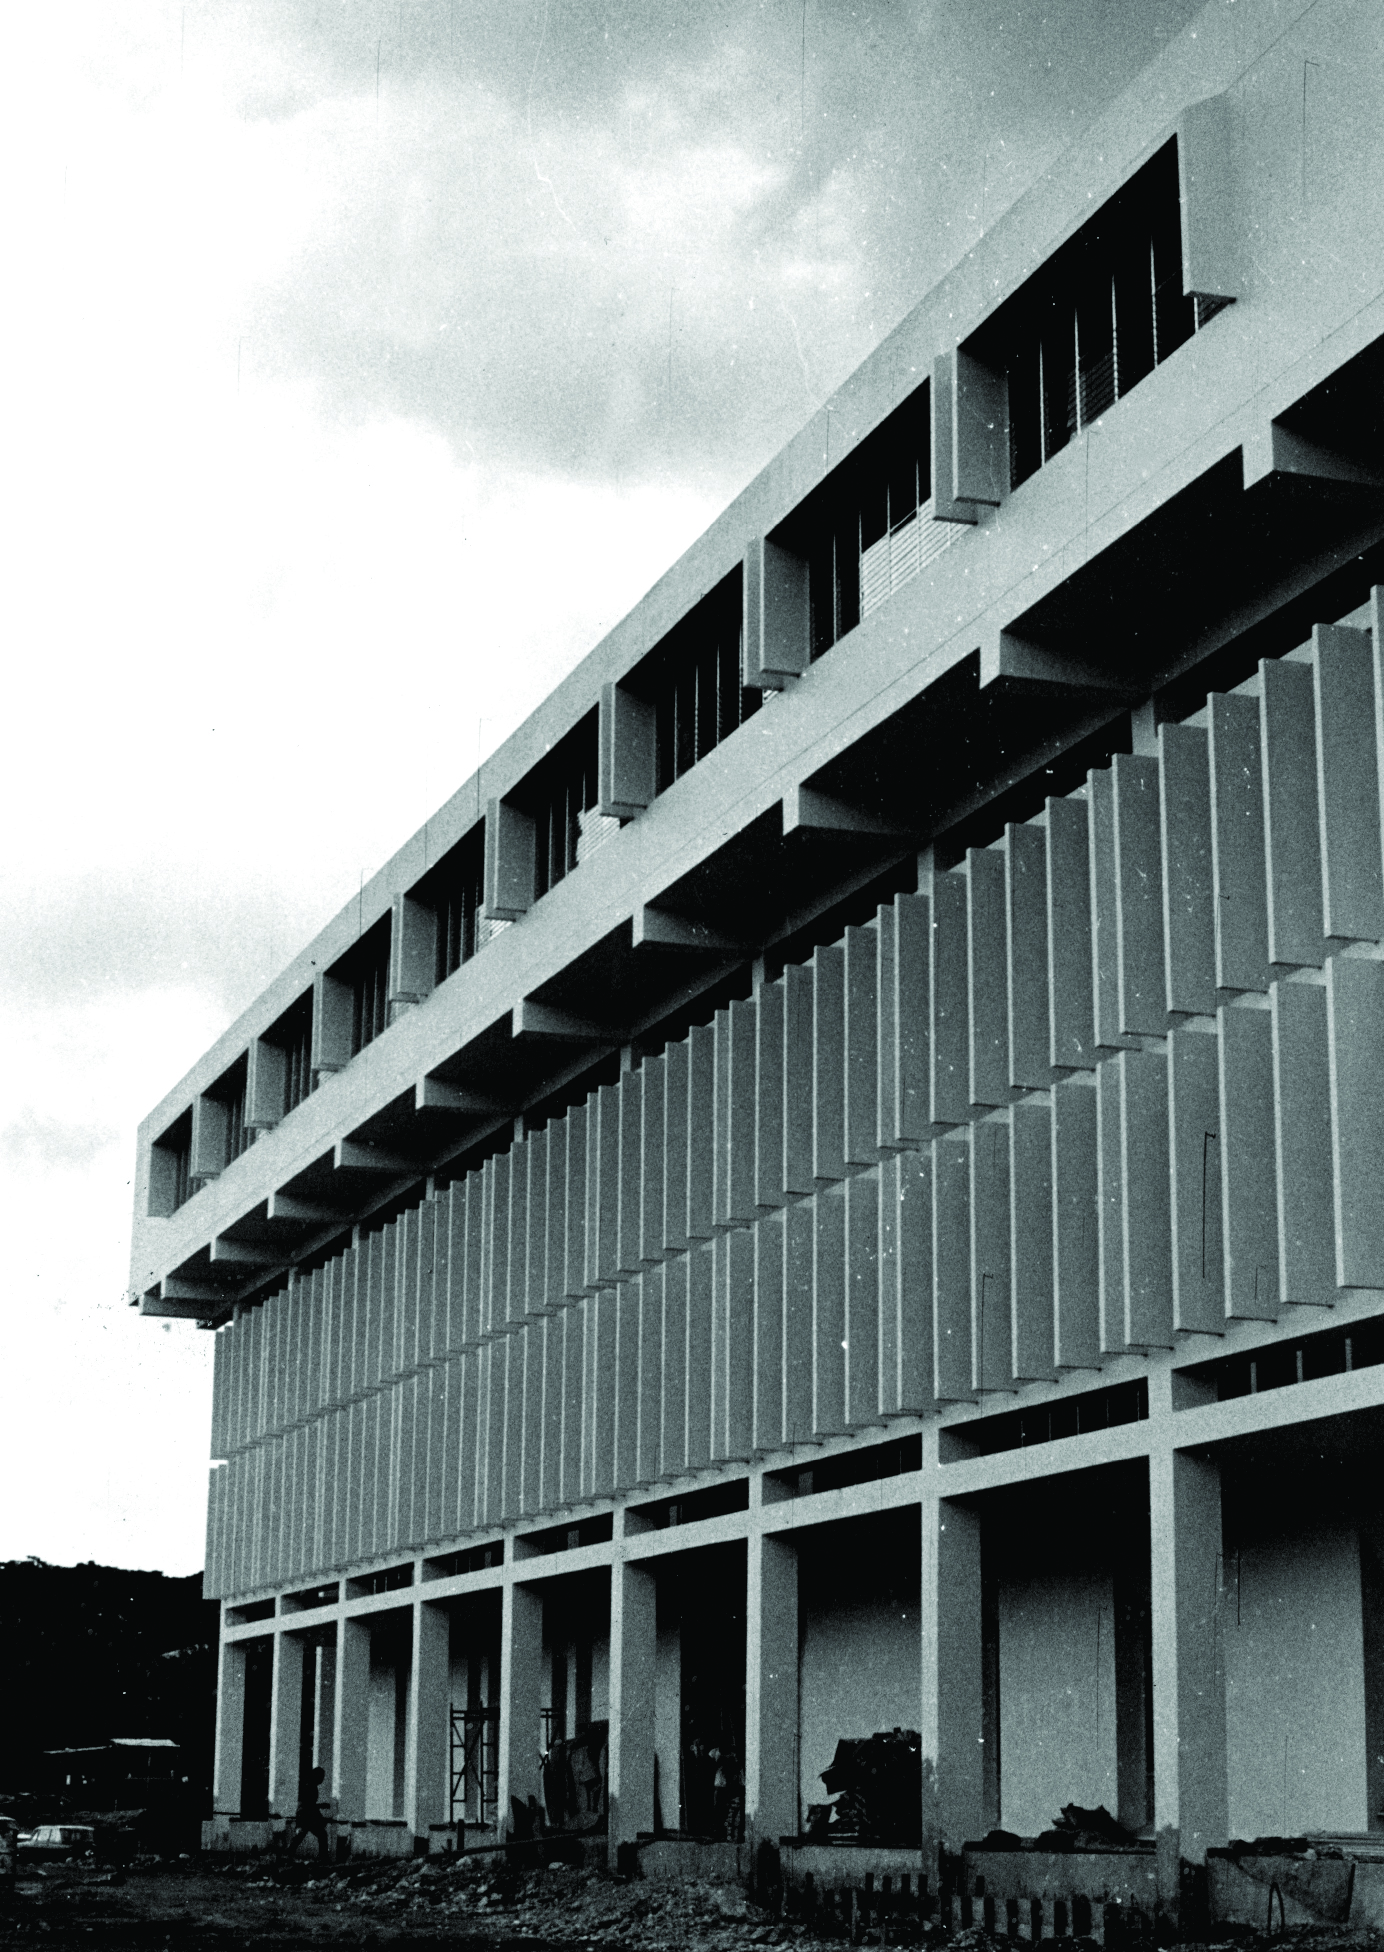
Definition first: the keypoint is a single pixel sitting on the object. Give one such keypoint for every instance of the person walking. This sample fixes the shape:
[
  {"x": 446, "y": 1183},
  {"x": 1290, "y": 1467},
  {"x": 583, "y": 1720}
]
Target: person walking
[{"x": 308, "y": 1820}]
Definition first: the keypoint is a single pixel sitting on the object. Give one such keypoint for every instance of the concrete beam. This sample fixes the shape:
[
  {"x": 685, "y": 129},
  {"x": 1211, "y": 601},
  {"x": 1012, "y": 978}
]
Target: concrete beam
[
  {"x": 656, "y": 928},
  {"x": 349, "y": 1155},
  {"x": 282, "y": 1206},
  {"x": 187, "y": 1288},
  {"x": 436, "y": 1095},
  {"x": 805, "y": 809},
  {"x": 243, "y": 1253},
  {"x": 1276, "y": 449},
  {"x": 532, "y": 1019}
]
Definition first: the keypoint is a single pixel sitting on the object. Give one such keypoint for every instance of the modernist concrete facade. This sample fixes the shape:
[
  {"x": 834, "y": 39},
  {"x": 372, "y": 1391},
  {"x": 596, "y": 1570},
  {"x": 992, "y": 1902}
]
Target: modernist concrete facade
[{"x": 773, "y": 1217}]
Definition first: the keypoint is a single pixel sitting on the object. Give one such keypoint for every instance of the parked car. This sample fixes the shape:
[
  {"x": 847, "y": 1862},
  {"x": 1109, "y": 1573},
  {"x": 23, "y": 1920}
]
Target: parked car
[{"x": 57, "y": 1843}]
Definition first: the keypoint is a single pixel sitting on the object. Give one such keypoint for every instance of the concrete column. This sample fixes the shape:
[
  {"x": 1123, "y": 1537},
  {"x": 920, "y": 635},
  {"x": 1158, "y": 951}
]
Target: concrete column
[
  {"x": 1189, "y": 1764},
  {"x": 953, "y": 1711},
  {"x": 351, "y": 1718},
  {"x": 425, "y": 1780},
  {"x": 230, "y": 1728},
  {"x": 633, "y": 1660},
  {"x": 771, "y": 1689},
  {"x": 521, "y": 1699},
  {"x": 325, "y": 1729},
  {"x": 285, "y": 1724}
]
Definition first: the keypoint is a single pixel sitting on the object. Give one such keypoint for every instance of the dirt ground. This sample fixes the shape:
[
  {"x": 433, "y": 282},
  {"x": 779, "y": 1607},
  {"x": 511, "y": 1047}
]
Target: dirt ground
[
  {"x": 197, "y": 1906},
  {"x": 255, "y": 1907}
]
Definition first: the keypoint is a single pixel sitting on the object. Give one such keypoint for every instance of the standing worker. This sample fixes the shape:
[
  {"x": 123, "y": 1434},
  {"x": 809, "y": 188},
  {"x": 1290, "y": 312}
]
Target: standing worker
[{"x": 307, "y": 1818}]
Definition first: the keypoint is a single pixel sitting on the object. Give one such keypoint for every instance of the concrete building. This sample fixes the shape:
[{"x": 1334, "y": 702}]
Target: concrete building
[{"x": 772, "y": 1218}]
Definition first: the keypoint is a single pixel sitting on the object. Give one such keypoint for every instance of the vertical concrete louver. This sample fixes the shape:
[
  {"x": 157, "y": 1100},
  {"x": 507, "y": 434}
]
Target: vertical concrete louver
[{"x": 1113, "y": 1078}]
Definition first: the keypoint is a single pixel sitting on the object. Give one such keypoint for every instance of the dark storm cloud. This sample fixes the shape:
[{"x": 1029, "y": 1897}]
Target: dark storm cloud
[{"x": 614, "y": 240}]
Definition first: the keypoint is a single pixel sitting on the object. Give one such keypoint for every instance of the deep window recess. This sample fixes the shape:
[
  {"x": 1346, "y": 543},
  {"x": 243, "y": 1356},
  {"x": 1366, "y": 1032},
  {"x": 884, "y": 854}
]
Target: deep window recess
[
  {"x": 455, "y": 891},
  {"x": 367, "y": 971},
  {"x": 560, "y": 793},
  {"x": 872, "y": 527},
  {"x": 1101, "y": 314},
  {"x": 231, "y": 1092},
  {"x": 694, "y": 682},
  {"x": 294, "y": 1033},
  {"x": 170, "y": 1162}
]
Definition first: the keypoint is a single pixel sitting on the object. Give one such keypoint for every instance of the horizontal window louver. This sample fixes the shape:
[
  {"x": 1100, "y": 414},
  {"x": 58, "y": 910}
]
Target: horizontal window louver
[{"x": 910, "y": 545}]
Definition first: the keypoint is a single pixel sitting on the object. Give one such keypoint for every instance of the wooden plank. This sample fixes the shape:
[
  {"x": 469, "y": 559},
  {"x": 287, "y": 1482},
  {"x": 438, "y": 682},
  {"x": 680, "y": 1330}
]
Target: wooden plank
[
  {"x": 1026, "y": 956},
  {"x": 1355, "y": 1025},
  {"x": 1292, "y": 821},
  {"x": 987, "y": 979},
  {"x": 1189, "y": 929},
  {"x": 1194, "y": 1127},
  {"x": 949, "y": 1036},
  {"x": 1348, "y": 785},
  {"x": 1141, "y": 973},
  {"x": 1249, "y": 1178},
  {"x": 951, "y": 1269},
  {"x": 992, "y": 1355},
  {"x": 1031, "y": 1246},
  {"x": 1072, "y": 1019},
  {"x": 1302, "y": 1130},
  {"x": 1240, "y": 901}
]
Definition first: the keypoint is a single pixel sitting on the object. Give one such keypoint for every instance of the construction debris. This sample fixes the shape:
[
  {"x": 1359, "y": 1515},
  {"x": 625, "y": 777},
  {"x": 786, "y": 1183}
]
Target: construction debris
[{"x": 876, "y": 1787}]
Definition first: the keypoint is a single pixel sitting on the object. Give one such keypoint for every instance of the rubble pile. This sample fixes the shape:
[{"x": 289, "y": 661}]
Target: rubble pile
[
  {"x": 876, "y": 1787},
  {"x": 561, "y": 1902}
]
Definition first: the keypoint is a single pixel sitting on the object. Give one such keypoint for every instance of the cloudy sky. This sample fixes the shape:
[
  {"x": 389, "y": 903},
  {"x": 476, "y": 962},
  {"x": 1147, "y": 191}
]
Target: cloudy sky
[{"x": 365, "y": 360}]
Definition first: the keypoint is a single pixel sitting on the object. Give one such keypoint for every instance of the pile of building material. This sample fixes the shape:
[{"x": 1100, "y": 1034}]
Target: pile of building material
[{"x": 876, "y": 1791}]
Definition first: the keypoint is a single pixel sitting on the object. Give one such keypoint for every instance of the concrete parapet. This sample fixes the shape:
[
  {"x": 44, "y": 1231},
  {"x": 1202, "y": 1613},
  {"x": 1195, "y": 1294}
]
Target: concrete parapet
[
  {"x": 675, "y": 1860},
  {"x": 380, "y": 1837}
]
